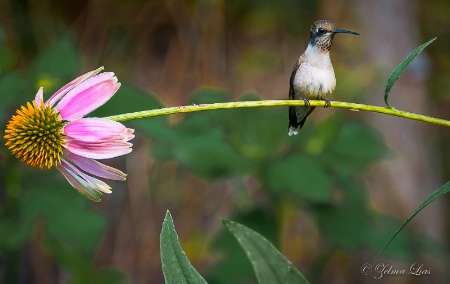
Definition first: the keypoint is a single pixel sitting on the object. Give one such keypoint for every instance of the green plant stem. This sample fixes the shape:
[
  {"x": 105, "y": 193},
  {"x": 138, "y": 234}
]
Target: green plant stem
[{"x": 273, "y": 103}]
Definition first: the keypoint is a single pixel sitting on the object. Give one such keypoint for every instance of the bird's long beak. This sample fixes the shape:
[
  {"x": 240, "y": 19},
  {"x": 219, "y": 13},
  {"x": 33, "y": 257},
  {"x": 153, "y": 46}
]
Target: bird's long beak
[{"x": 345, "y": 32}]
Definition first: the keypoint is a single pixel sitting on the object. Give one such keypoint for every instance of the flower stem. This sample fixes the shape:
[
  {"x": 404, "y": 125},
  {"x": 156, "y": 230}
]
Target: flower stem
[{"x": 272, "y": 103}]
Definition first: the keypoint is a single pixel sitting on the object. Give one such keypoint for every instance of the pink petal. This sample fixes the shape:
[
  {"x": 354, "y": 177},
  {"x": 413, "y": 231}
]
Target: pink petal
[
  {"x": 84, "y": 183},
  {"x": 88, "y": 96},
  {"x": 61, "y": 92},
  {"x": 101, "y": 150},
  {"x": 96, "y": 130},
  {"x": 39, "y": 99},
  {"x": 79, "y": 184},
  {"x": 95, "y": 168}
]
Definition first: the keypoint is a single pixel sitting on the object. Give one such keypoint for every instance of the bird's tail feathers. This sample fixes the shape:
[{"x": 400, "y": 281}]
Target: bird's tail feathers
[{"x": 295, "y": 121}]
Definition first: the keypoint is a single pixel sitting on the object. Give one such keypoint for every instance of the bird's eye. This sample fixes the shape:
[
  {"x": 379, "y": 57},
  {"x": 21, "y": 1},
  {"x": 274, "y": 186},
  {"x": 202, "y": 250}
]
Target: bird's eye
[{"x": 321, "y": 30}]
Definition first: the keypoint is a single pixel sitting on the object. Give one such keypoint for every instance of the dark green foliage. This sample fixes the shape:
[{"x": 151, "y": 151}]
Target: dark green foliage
[
  {"x": 354, "y": 148},
  {"x": 329, "y": 158},
  {"x": 13, "y": 86},
  {"x": 60, "y": 59},
  {"x": 7, "y": 57},
  {"x": 199, "y": 141},
  {"x": 55, "y": 66},
  {"x": 71, "y": 230},
  {"x": 214, "y": 144},
  {"x": 348, "y": 223},
  {"x": 80, "y": 267},
  {"x": 300, "y": 175}
]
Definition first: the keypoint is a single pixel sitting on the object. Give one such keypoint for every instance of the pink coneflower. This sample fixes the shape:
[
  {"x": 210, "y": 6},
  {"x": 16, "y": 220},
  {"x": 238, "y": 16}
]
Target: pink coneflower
[{"x": 55, "y": 133}]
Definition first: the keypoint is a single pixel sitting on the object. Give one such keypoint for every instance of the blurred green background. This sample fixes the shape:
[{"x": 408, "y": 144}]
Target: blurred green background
[{"x": 329, "y": 198}]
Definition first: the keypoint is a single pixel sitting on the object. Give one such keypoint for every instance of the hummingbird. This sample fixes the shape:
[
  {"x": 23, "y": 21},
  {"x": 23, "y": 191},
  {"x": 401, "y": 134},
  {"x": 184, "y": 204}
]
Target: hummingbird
[{"x": 313, "y": 75}]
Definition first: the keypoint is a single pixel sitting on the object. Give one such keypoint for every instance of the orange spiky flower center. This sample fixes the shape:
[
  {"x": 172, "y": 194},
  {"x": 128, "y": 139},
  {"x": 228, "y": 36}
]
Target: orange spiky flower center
[{"x": 35, "y": 135}]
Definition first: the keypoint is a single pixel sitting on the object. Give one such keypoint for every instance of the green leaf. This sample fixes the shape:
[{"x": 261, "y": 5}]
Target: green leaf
[
  {"x": 438, "y": 193},
  {"x": 269, "y": 264},
  {"x": 233, "y": 258},
  {"x": 400, "y": 68},
  {"x": 175, "y": 264},
  {"x": 60, "y": 59},
  {"x": 355, "y": 147},
  {"x": 300, "y": 175}
]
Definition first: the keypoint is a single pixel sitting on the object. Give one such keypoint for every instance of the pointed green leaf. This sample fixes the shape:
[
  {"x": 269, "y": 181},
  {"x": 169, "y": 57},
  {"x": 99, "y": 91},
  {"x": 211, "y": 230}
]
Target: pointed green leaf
[
  {"x": 400, "y": 68},
  {"x": 269, "y": 264},
  {"x": 175, "y": 264},
  {"x": 438, "y": 193}
]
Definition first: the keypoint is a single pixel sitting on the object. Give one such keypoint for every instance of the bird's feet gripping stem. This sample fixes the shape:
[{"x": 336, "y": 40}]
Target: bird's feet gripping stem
[
  {"x": 327, "y": 103},
  {"x": 307, "y": 104}
]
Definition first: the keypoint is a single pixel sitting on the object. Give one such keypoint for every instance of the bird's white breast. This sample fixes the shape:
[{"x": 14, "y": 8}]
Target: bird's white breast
[{"x": 315, "y": 75}]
